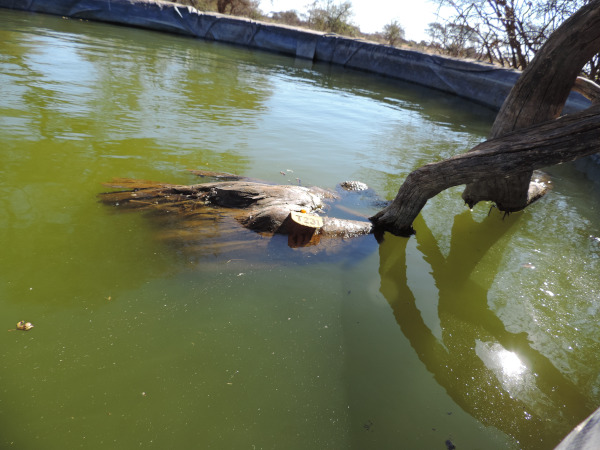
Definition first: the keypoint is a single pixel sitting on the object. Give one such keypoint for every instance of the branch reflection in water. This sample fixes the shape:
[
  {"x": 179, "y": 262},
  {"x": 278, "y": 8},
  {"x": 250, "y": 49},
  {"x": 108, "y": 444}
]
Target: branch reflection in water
[{"x": 494, "y": 375}]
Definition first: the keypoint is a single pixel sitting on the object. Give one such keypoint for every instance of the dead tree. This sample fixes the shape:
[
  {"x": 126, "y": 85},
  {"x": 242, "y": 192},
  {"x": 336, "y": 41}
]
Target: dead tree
[
  {"x": 216, "y": 214},
  {"x": 526, "y": 134}
]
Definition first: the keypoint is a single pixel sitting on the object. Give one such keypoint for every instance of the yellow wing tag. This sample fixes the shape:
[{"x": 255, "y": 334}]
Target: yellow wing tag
[{"x": 308, "y": 220}]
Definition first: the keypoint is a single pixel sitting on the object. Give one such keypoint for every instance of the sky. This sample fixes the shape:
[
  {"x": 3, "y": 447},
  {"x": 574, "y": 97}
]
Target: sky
[{"x": 372, "y": 15}]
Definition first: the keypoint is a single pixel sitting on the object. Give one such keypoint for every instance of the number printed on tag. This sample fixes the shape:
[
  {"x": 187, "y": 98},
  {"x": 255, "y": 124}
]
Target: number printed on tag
[{"x": 308, "y": 220}]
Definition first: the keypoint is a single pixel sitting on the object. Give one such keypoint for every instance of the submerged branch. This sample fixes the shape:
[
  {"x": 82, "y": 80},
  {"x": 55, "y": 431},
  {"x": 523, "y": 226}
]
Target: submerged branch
[{"x": 223, "y": 208}]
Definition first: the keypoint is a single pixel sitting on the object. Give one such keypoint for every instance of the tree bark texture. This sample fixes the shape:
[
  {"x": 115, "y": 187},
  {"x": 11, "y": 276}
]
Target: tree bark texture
[
  {"x": 540, "y": 95},
  {"x": 215, "y": 210}
]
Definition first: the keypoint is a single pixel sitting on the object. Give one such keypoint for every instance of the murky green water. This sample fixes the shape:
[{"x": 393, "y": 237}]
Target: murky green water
[{"x": 479, "y": 330}]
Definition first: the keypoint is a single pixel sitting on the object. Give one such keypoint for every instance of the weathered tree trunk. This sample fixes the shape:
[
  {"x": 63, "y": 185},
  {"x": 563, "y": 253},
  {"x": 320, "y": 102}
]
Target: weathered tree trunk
[
  {"x": 501, "y": 169},
  {"x": 260, "y": 207},
  {"x": 540, "y": 95}
]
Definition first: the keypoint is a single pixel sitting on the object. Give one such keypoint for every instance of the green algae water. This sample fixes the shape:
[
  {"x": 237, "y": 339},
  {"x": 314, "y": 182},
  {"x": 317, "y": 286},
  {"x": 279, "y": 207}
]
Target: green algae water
[{"x": 480, "y": 331}]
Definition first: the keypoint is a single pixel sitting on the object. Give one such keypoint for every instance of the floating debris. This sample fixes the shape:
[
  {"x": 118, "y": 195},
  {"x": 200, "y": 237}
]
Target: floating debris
[
  {"x": 354, "y": 186},
  {"x": 24, "y": 326}
]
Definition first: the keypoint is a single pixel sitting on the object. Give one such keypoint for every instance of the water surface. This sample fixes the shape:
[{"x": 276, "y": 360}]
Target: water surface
[{"x": 480, "y": 329}]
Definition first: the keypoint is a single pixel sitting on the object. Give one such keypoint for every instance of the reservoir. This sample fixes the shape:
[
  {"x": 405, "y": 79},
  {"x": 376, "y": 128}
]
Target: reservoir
[{"x": 481, "y": 331}]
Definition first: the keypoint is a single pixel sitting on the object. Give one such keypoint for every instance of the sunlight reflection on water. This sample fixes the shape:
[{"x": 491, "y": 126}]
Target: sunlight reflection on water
[{"x": 514, "y": 377}]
